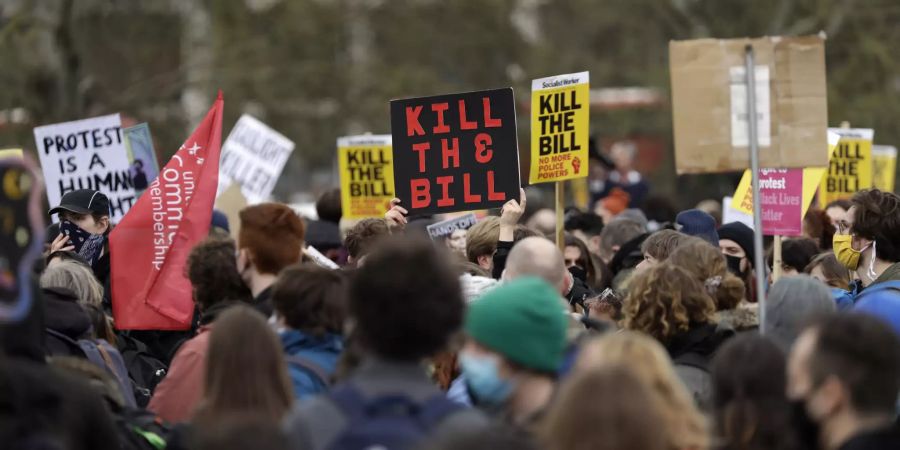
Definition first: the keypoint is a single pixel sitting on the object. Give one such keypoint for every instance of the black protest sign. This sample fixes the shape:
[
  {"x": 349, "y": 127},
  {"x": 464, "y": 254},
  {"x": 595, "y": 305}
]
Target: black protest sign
[{"x": 455, "y": 152}]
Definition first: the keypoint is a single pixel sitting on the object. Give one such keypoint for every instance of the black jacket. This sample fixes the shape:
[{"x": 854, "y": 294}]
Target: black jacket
[
  {"x": 63, "y": 315},
  {"x": 42, "y": 408},
  {"x": 692, "y": 353},
  {"x": 884, "y": 438}
]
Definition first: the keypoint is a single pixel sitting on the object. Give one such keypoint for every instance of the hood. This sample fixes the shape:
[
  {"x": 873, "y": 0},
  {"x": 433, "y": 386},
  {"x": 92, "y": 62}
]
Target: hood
[
  {"x": 744, "y": 317},
  {"x": 63, "y": 314},
  {"x": 702, "y": 339},
  {"x": 892, "y": 273},
  {"x": 294, "y": 341}
]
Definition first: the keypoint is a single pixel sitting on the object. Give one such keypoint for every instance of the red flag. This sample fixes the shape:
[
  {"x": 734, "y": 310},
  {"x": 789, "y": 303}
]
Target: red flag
[{"x": 149, "y": 247}]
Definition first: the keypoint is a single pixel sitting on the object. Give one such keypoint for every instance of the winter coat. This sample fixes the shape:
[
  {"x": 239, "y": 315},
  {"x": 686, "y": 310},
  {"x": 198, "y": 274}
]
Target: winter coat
[
  {"x": 177, "y": 395},
  {"x": 692, "y": 352},
  {"x": 323, "y": 351},
  {"x": 316, "y": 423},
  {"x": 63, "y": 315},
  {"x": 882, "y": 297}
]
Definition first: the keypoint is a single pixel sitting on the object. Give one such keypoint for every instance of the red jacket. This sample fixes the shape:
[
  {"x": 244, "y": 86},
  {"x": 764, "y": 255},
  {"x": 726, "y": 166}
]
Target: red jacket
[{"x": 177, "y": 395}]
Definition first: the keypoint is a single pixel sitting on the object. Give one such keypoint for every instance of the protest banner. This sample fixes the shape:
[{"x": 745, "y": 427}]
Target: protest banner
[
  {"x": 447, "y": 227},
  {"x": 850, "y": 166},
  {"x": 709, "y": 103},
  {"x": 141, "y": 156},
  {"x": 150, "y": 246},
  {"x": 782, "y": 198},
  {"x": 253, "y": 156},
  {"x": 884, "y": 167},
  {"x": 86, "y": 154},
  {"x": 812, "y": 177},
  {"x": 455, "y": 152},
  {"x": 367, "y": 175},
  {"x": 560, "y": 111}
]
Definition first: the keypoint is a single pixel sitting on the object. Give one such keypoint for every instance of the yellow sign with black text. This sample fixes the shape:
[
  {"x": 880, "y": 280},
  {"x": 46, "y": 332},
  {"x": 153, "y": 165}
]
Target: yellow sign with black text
[
  {"x": 850, "y": 166},
  {"x": 367, "y": 175},
  {"x": 560, "y": 114}
]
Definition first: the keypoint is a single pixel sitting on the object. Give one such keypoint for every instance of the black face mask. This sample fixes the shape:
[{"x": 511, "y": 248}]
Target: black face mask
[
  {"x": 734, "y": 265},
  {"x": 578, "y": 272},
  {"x": 806, "y": 429}
]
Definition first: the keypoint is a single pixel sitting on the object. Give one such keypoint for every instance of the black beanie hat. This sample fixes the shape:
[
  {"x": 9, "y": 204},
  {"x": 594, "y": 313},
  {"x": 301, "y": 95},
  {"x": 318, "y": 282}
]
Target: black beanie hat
[{"x": 742, "y": 235}]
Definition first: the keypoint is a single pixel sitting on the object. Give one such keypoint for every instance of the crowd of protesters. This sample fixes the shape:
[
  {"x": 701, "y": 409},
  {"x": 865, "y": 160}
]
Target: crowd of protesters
[{"x": 635, "y": 333}]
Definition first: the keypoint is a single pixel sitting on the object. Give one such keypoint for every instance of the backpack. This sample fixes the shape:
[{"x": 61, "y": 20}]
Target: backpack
[
  {"x": 103, "y": 355},
  {"x": 145, "y": 370},
  {"x": 387, "y": 422},
  {"x": 141, "y": 430}
]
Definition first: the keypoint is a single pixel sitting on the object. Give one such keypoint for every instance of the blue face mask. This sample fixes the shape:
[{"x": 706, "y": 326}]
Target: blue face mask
[
  {"x": 485, "y": 384},
  {"x": 88, "y": 246}
]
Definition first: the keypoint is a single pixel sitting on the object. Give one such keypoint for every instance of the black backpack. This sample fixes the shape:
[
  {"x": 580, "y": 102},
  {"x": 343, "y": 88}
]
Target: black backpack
[
  {"x": 141, "y": 430},
  {"x": 145, "y": 370},
  {"x": 390, "y": 422}
]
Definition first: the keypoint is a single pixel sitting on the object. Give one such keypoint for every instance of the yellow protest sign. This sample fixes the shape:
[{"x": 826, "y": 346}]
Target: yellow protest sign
[
  {"x": 850, "y": 167},
  {"x": 742, "y": 200},
  {"x": 884, "y": 167},
  {"x": 560, "y": 112},
  {"x": 367, "y": 175}
]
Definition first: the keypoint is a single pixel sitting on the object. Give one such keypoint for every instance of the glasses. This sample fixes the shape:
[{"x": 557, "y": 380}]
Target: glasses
[{"x": 843, "y": 227}]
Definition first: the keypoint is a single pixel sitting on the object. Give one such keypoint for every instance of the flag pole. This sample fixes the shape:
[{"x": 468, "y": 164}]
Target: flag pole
[
  {"x": 560, "y": 216},
  {"x": 754, "y": 168}
]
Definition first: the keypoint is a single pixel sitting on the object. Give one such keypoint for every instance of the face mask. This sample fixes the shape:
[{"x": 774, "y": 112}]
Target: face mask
[
  {"x": 807, "y": 430},
  {"x": 734, "y": 264},
  {"x": 579, "y": 273},
  {"x": 485, "y": 384},
  {"x": 88, "y": 246},
  {"x": 844, "y": 251}
]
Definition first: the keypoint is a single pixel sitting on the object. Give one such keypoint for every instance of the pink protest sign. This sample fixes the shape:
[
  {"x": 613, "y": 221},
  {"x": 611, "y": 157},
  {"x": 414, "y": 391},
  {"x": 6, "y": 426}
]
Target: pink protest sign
[{"x": 781, "y": 194}]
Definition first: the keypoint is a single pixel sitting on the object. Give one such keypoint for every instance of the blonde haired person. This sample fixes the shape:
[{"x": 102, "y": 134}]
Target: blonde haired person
[
  {"x": 684, "y": 426},
  {"x": 606, "y": 408},
  {"x": 76, "y": 277},
  {"x": 668, "y": 304},
  {"x": 708, "y": 266}
]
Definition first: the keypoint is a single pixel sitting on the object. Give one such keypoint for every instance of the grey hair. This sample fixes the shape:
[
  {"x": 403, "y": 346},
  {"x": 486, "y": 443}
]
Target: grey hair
[
  {"x": 792, "y": 302},
  {"x": 76, "y": 277}
]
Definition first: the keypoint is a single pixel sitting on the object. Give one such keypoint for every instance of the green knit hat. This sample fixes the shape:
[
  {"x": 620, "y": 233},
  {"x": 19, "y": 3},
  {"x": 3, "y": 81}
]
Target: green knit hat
[{"x": 522, "y": 320}]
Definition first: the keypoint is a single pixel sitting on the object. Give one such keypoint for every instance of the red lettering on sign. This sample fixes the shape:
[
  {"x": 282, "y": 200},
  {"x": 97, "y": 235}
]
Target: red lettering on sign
[
  {"x": 445, "y": 199},
  {"x": 483, "y": 152},
  {"x": 421, "y": 192},
  {"x": 420, "y": 149},
  {"x": 468, "y": 197},
  {"x": 441, "y": 127},
  {"x": 463, "y": 123},
  {"x": 488, "y": 121},
  {"x": 450, "y": 153},
  {"x": 491, "y": 194},
  {"x": 413, "y": 127}
]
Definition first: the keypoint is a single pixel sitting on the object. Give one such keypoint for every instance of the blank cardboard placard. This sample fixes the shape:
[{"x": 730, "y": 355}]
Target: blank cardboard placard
[{"x": 708, "y": 103}]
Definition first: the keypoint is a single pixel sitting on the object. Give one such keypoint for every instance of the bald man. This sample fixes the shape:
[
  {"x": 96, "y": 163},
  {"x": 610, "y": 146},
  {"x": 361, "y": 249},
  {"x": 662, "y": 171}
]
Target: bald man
[{"x": 537, "y": 256}]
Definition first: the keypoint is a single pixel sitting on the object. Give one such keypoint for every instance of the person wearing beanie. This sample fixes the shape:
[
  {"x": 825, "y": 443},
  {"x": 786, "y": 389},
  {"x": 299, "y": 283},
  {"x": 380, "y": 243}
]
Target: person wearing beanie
[
  {"x": 736, "y": 243},
  {"x": 694, "y": 222},
  {"x": 515, "y": 346}
]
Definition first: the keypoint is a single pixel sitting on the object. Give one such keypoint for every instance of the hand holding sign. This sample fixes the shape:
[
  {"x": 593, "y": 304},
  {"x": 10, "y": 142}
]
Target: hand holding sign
[
  {"x": 396, "y": 216},
  {"x": 509, "y": 217}
]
